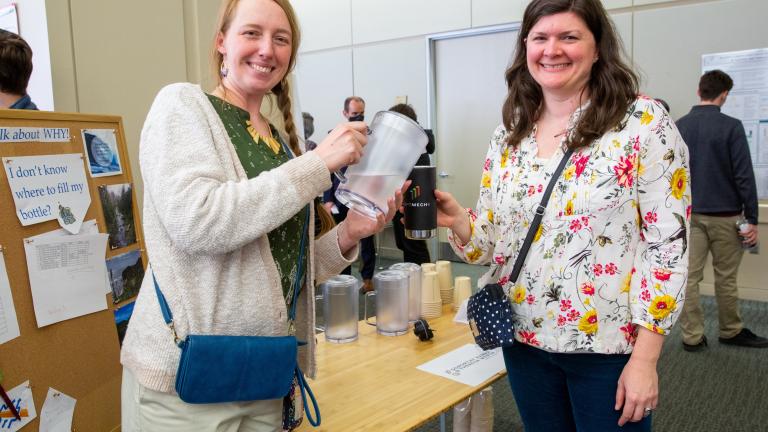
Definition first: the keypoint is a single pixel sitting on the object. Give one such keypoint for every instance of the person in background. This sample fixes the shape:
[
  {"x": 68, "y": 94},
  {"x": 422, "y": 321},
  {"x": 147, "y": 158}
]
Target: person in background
[
  {"x": 604, "y": 279},
  {"x": 724, "y": 191},
  {"x": 15, "y": 70},
  {"x": 414, "y": 251},
  {"x": 354, "y": 111},
  {"x": 224, "y": 229},
  {"x": 309, "y": 129}
]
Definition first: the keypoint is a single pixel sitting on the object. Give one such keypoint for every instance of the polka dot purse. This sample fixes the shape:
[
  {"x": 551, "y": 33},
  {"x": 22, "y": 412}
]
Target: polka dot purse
[{"x": 490, "y": 318}]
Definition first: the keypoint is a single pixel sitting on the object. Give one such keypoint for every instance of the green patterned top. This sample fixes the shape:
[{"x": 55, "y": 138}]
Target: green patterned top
[{"x": 256, "y": 154}]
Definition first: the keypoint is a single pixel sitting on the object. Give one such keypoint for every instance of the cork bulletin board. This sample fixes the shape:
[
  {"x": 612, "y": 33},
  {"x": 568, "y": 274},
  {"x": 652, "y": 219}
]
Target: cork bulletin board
[{"x": 79, "y": 356}]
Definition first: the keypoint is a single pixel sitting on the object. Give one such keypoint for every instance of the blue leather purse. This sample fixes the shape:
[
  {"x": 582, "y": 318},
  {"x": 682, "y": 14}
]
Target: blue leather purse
[
  {"x": 215, "y": 369},
  {"x": 489, "y": 310}
]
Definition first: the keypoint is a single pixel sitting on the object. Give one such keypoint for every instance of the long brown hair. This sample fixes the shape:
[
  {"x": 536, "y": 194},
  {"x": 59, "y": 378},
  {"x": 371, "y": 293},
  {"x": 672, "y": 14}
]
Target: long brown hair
[
  {"x": 613, "y": 86},
  {"x": 282, "y": 90}
]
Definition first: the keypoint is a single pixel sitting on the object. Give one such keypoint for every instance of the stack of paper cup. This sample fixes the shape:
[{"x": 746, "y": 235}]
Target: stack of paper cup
[
  {"x": 428, "y": 267},
  {"x": 444, "y": 278},
  {"x": 431, "y": 304},
  {"x": 462, "y": 289}
]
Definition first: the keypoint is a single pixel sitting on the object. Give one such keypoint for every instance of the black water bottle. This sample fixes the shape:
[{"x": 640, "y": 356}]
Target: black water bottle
[{"x": 419, "y": 204}]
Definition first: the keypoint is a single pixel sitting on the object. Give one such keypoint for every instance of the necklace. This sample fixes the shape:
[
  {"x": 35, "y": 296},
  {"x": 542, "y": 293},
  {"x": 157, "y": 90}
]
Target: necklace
[{"x": 270, "y": 141}]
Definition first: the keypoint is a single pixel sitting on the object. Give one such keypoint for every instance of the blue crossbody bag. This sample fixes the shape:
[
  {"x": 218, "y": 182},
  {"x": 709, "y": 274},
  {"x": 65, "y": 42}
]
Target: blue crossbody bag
[{"x": 215, "y": 369}]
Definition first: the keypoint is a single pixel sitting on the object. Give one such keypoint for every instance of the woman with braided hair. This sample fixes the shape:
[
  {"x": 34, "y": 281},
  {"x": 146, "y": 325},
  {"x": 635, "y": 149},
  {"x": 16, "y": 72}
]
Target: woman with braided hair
[{"x": 227, "y": 202}]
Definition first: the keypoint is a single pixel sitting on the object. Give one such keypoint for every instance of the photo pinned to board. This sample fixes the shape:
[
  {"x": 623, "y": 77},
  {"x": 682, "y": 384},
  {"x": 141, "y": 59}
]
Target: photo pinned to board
[
  {"x": 122, "y": 316},
  {"x": 126, "y": 271},
  {"x": 101, "y": 148},
  {"x": 117, "y": 206}
]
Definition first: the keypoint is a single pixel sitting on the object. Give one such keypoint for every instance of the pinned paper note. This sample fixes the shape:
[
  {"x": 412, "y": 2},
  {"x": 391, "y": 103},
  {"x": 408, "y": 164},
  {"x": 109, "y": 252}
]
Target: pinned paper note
[
  {"x": 58, "y": 410},
  {"x": 66, "y": 275},
  {"x": 49, "y": 187},
  {"x": 21, "y": 396},
  {"x": 9, "y": 325}
]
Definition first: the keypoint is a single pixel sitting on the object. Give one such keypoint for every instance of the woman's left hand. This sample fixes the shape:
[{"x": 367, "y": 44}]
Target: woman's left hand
[
  {"x": 357, "y": 226},
  {"x": 638, "y": 389}
]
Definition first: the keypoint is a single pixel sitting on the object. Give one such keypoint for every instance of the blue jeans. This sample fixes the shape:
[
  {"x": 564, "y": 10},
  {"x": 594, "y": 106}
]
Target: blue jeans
[{"x": 558, "y": 392}]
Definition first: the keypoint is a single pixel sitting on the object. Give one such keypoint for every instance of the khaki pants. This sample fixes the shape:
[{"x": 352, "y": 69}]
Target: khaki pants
[
  {"x": 717, "y": 235},
  {"x": 147, "y": 410}
]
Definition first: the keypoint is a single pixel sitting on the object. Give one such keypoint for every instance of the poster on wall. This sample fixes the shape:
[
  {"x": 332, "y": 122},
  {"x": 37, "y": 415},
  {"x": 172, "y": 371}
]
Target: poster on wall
[
  {"x": 748, "y": 102},
  {"x": 9, "y": 19},
  {"x": 101, "y": 148}
]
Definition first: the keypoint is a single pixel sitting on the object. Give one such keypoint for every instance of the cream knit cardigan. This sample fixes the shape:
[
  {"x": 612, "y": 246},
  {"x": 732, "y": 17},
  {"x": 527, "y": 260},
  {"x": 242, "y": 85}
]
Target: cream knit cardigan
[{"x": 206, "y": 225}]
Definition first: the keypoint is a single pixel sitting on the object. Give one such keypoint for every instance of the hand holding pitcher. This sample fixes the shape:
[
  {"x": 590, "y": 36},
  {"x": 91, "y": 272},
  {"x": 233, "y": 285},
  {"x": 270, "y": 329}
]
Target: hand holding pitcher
[{"x": 343, "y": 146}]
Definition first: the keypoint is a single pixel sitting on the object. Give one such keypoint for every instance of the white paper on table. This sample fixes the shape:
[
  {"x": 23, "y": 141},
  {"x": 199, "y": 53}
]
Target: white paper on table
[
  {"x": 66, "y": 275},
  {"x": 58, "y": 410},
  {"x": 49, "y": 187},
  {"x": 21, "y": 396},
  {"x": 9, "y": 324},
  {"x": 461, "y": 315},
  {"x": 89, "y": 227},
  {"x": 468, "y": 365}
]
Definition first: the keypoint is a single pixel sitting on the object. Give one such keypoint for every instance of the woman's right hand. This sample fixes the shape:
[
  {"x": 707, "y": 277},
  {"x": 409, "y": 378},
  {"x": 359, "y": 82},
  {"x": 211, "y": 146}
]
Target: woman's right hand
[
  {"x": 451, "y": 214},
  {"x": 343, "y": 146}
]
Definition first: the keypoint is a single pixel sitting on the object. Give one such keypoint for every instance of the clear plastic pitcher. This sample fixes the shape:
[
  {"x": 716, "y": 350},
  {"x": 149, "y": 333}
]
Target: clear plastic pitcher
[
  {"x": 391, "y": 292},
  {"x": 339, "y": 295},
  {"x": 414, "y": 287},
  {"x": 395, "y": 143}
]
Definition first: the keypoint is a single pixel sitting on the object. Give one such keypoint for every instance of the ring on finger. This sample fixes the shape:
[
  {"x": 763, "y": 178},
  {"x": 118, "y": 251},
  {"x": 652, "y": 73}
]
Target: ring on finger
[{"x": 647, "y": 412}]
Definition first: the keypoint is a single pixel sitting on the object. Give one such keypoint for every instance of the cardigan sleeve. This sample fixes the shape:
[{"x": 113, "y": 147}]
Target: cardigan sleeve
[{"x": 192, "y": 180}]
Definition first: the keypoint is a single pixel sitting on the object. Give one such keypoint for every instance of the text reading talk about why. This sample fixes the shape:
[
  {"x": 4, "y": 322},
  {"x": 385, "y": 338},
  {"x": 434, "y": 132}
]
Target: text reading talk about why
[{"x": 27, "y": 134}]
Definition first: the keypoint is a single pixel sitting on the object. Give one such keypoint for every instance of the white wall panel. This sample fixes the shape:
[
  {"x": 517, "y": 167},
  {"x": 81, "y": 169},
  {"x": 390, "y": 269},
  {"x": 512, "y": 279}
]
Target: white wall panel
[
  {"x": 324, "y": 80},
  {"x": 671, "y": 58},
  {"x": 623, "y": 24},
  {"x": 615, "y": 4},
  {"x": 389, "y": 69},
  {"x": 324, "y": 24},
  {"x": 492, "y": 12},
  {"x": 376, "y": 20}
]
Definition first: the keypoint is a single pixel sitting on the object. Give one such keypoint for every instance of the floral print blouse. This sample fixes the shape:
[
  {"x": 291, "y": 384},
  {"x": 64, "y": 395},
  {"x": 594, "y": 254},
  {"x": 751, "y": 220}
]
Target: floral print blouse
[{"x": 611, "y": 253}]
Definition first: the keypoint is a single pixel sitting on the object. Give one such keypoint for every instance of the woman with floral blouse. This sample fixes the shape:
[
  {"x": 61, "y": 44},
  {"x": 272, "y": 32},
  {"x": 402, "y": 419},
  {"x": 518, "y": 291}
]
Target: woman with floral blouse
[{"x": 605, "y": 277}]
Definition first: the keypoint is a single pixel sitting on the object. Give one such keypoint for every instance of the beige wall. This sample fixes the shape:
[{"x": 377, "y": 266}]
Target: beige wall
[{"x": 111, "y": 57}]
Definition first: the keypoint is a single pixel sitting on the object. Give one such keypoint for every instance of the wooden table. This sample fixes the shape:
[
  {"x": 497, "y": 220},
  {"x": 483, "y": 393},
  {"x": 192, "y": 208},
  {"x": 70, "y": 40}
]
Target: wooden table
[{"x": 372, "y": 384}]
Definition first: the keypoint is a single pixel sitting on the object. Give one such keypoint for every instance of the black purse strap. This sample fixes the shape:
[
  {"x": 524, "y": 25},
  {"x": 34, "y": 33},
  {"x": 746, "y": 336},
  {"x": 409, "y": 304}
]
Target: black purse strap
[{"x": 538, "y": 217}]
